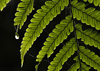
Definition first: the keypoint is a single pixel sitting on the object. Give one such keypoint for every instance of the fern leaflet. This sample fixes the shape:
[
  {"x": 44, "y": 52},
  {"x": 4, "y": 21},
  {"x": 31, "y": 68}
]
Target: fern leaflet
[
  {"x": 39, "y": 22},
  {"x": 24, "y": 8},
  {"x": 63, "y": 55},
  {"x": 3, "y": 4},
  {"x": 76, "y": 66},
  {"x": 58, "y": 35},
  {"x": 84, "y": 67},
  {"x": 89, "y": 16},
  {"x": 95, "y": 2},
  {"x": 89, "y": 36},
  {"x": 90, "y": 58}
]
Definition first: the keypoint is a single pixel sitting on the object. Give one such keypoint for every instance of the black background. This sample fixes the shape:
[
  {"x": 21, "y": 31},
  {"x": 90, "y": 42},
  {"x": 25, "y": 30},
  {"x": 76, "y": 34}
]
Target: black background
[{"x": 10, "y": 47}]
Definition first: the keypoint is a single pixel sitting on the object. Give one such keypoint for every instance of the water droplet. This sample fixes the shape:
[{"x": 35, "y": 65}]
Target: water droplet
[{"x": 16, "y": 36}]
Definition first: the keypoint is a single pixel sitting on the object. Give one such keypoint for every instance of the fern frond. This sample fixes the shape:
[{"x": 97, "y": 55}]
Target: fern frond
[
  {"x": 88, "y": 36},
  {"x": 95, "y": 2},
  {"x": 24, "y": 8},
  {"x": 76, "y": 66},
  {"x": 90, "y": 58},
  {"x": 57, "y": 36},
  {"x": 39, "y": 22},
  {"x": 89, "y": 16},
  {"x": 63, "y": 55},
  {"x": 3, "y": 4}
]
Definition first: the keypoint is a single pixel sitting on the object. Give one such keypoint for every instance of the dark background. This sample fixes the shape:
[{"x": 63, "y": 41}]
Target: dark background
[{"x": 10, "y": 47}]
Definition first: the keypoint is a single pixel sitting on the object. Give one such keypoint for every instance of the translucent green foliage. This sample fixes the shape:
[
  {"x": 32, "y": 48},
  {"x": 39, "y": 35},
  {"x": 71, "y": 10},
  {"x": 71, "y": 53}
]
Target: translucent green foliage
[
  {"x": 76, "y": 9},
  {"x": 84, "y": 67},
  {"x": 89, "y": 16},
  {"x": 57, "y": 36},
  {"x": 76, "y": 66},
  {"x": 88, "y": 36},
  {"x": 95, "y": 2},
  {"x": 36, "y": 67},
  {"x": 90, "y": 58},
  {"x": 39, "y": 22},
  {"x": 24, "y": 8},
  {"x": 63, "y": 55},
  {"x": 3, "y": 4}
]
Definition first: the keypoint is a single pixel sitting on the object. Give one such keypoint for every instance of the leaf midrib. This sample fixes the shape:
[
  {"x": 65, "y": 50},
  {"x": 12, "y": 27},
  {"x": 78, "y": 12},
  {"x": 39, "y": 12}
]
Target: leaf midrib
[
  {"x": 88, "y": 36},
  {"x": 86, "y": 13},
  {"x": 24, "y": 12},
  {"x": 39, "y": 24},
  {"x": 89, "y": 57},
  {"x": 58, "y": 36},
  {"x": 64, "y": 54}
]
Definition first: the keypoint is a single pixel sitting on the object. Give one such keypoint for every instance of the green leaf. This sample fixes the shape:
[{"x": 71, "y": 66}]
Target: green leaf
[
  {"x": 88, "y": 36},
  {"x": 95, "y": 2},
  {"x": 36, "y": 67},
  {"x": 76, "y": 66},
  {"x": 63, "y": 55},
  {"x": 90, "y": 58},
  {"x": 57, "y": 36},
  {"x": 24, "y": 8},
  {"x": 90, "y": 16},
  {"x": 84, "y": 67},
  {"x": 42, "y": 18},
  {"x": 76, "y": 12},
  {"x": 3, "y": 4}
]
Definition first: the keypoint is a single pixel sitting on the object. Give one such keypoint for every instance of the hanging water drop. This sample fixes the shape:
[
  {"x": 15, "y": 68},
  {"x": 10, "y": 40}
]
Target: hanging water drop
[{"x": 16, "y": 36}]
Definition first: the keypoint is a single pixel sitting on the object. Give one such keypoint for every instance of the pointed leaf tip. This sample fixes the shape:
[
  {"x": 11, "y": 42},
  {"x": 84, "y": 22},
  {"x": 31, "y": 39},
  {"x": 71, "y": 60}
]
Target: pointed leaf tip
[
  {"x": 36, "y": 67},
  {"x": 22, "y": 63}
]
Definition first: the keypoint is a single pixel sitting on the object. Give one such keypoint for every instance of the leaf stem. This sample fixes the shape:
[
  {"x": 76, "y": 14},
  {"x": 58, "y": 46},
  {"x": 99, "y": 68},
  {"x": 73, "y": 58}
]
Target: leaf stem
[
  {"x": 36, "y": 58},
  {"x": 77, "y": 44},
  {"x": 75, "y": 34}
]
